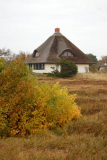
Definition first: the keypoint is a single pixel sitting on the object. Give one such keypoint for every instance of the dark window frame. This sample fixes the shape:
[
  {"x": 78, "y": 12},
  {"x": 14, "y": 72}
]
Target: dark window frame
[
  {"x": 39, "y": 66},
  {"x": 67, "y": 54}
]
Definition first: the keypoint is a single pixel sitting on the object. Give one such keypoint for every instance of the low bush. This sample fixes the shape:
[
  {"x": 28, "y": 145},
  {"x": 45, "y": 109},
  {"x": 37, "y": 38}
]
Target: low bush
[
  {"x": 2, "y": 64},
  {"x": 68, "y": 69},
  {"x": 27, "y": 105}
]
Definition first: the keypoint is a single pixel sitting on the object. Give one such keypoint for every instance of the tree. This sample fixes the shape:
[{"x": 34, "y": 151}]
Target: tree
[
  {"x": 9, "y": 56},
  {"x": 5, "y": 52},
  {"x": 68, "y": 69},
  {"x": 93, "y": 68},
  {"x": 101, "y": 62},
  {"x": 21, "y": 56},
  {"x": 92, "y": 57}
]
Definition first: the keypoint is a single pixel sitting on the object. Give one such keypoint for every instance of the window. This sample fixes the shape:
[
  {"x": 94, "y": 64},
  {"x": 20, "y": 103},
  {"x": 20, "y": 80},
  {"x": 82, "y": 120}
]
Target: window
[
  {"x": 39, "y": 66},
  {"x": 30, "y": 66},
  {"x": 34, "y": 66},
  {"x": 37, "y": 54},
  {"x": 42, "y": 66},
  {"x": 67, "y": 54}
]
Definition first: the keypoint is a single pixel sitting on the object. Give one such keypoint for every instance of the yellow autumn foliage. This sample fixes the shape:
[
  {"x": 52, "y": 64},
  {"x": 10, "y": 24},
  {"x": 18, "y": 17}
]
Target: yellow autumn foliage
[{"x": 27, "y": 105}]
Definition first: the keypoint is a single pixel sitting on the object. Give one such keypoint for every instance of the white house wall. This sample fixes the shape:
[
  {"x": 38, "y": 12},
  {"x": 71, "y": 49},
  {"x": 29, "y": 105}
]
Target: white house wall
[
  {"x": 47, "y": 68},
  {"x": 82, "y": 68}
]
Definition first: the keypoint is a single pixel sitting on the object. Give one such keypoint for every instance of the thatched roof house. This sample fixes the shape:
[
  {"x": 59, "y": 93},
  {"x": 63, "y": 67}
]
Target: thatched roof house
[{"x": 53, "y": 49}]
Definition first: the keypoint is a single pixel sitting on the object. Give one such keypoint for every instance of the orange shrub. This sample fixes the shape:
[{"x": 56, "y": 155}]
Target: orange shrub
[{"x": 27, "y": 105}]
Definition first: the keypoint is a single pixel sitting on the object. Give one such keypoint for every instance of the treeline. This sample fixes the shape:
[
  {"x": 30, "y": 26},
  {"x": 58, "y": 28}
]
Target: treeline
[
  {"x": 8, "y": 55},
  {"x": 97, "y": 63}
]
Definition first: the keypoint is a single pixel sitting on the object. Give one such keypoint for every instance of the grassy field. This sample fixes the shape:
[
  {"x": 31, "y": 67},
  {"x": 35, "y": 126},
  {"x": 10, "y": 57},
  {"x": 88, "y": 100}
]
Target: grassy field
[{"x": 83, "y": 139}]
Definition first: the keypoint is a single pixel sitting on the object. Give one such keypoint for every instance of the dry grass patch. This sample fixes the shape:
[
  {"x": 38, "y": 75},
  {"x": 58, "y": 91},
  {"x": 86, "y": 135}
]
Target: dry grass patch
[
  {"x": 83, "y": 139},
  {"x": 44, "y": 147},
  {"x": 92, "y": 124},
  {"x": 99, "y": 76}
]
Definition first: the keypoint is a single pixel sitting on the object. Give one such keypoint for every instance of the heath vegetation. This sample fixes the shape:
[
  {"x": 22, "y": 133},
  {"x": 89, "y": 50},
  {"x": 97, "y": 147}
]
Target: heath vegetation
[
  {"x": 81, "y": 139},
  {"x": 27, "y": 105},
  {"x": 40, "y": 119}
]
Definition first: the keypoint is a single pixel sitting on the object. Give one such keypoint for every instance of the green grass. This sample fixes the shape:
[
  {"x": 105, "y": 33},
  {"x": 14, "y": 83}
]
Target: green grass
[{"x": 83, "y": 139}]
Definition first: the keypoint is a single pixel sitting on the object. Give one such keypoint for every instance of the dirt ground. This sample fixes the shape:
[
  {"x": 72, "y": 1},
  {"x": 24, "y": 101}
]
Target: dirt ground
[{"x": 78, "y": 84}]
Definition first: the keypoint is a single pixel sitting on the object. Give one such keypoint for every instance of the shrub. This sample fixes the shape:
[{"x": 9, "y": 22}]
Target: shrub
[
  {"x": 93, "y": 68},
  {"x": 2, "y": 63},
  {"x": 27, "y": 105},
  {"x": 68, "y": 69}
]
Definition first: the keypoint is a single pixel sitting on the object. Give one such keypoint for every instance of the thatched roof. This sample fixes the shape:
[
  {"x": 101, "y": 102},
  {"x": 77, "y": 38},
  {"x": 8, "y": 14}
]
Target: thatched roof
[{"x": 50, "y": 51}]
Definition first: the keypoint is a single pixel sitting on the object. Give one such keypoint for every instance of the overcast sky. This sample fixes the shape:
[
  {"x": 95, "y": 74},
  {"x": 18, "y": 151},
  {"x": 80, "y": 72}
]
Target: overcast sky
[{"x": 26, "y": 24}]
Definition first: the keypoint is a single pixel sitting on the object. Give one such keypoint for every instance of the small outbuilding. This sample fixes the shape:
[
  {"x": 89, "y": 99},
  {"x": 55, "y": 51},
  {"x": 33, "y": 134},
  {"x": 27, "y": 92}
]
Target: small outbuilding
[
  {"x": 103, "y": 67},
  {"x": 44, "y": 58}
]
